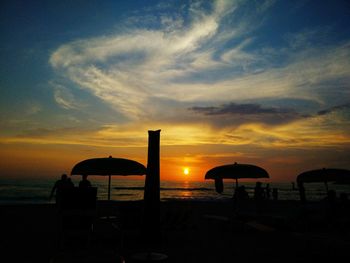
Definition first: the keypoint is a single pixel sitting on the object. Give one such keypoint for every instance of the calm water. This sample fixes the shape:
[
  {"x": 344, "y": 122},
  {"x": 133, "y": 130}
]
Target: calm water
[{"x": 38, "y": 190}]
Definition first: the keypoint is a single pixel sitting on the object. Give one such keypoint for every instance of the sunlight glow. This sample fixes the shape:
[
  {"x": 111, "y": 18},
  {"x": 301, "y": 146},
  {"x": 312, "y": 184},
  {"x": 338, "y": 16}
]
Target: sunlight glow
[{"x": 186, "y": 171}]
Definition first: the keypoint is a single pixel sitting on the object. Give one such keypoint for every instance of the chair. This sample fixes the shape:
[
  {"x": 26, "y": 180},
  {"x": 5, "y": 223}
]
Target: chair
[
  {"x": 77, "y": 211},
  {"x": 108, "y": 228}
]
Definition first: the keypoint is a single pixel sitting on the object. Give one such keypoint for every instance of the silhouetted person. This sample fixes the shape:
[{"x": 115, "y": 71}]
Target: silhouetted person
[
  {"x": 69, "y": 183},
  {"x": 84, "y": 183},
  {"x": 219, "y": 185},
  {"x": 59, "y": 185},
  {"x": 258, "y": 192}
]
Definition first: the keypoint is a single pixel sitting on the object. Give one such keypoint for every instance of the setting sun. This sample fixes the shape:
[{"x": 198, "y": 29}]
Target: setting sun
[{"x": 186, "y": 170}]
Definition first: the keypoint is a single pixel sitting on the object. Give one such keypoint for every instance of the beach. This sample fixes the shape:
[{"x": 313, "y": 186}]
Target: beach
[
  {"x": 191, "y": 231},
  {"x": 174, "y": 131}
]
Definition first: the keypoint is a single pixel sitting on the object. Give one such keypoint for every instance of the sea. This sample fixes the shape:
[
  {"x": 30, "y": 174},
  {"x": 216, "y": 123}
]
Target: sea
[{"x": 32, "y": 191}]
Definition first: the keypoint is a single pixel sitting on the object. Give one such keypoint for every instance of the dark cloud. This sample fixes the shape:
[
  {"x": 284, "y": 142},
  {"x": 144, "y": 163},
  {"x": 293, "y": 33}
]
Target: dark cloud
[
  {"x": 234, "y": 113},
  {"x": 242, "y": 109},
  {"x": 246, "y": 109},
  {"x": 335, "y": 108},
  {"x": 249, "y": 112}
]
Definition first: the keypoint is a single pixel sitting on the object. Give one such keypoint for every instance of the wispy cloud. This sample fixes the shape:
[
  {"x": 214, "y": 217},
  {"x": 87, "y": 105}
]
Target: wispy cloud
[
  {"x": 64, "y": 97},
  {"x": 211, "y": 62},
  {"x": 125, "y": 69}
]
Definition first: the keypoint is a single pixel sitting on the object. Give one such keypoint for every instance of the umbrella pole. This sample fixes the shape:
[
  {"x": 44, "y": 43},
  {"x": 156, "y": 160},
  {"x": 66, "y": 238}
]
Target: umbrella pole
[
  {"x": 109, "y": 187},
  {"x": 235, "y": 188},
  {"x": 235, "y": 201}
]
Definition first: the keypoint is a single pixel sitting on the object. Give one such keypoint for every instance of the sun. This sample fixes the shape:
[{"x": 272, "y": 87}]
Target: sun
[{"x": 186, "y": 171}]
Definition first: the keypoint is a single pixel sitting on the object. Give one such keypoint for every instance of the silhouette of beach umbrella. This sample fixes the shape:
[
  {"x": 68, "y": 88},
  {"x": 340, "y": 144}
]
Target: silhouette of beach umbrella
[
  {"x": 324, "y": 175},
  {"x": 234, "y": 171},
  {"x": 108, "y": 167}
]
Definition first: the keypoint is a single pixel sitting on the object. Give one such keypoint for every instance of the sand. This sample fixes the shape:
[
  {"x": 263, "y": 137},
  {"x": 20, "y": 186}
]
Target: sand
[{"x": 191, "y": 231}]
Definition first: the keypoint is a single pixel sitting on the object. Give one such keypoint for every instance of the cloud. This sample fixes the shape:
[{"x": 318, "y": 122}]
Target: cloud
[
  {"x": 250, "y": 131},
  {"x": 241, "y": 109},
  {"x": 238, "y": 114},
  {"x": 302, "y": 134},
  {"x": 209, "y": 56},
  {"x": 64, "y": 98},
  {"x": 126, "y": 69},
  {"x": 334, "y": 109}
]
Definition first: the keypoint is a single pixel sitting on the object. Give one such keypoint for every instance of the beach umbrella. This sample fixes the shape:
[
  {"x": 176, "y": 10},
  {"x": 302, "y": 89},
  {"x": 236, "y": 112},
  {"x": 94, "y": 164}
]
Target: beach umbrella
[
  {"x": 234, "y": 171},
  {"x": 108, "y": 167},
  {"x": 324, "y": 175}
]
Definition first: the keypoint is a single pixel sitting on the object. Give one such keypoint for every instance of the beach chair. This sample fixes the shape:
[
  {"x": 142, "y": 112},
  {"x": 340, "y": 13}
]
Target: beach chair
[
  {"x": 77, "y": 213},
  {"x": 108, "y": 231}
]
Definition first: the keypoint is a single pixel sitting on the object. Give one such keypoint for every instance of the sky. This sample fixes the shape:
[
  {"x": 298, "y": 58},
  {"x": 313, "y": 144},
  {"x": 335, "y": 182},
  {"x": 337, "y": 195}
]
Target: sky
[{"x": 258, "y": 82}]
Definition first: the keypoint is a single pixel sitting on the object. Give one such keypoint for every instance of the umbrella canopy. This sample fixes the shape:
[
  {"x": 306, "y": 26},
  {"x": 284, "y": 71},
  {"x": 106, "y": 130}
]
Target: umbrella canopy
[
  {"x": 235, "y": 171},
  {"x": 324, "y": 175},
  {"x": 321, "y": 175},
  {"x": 108, "y": 166}
]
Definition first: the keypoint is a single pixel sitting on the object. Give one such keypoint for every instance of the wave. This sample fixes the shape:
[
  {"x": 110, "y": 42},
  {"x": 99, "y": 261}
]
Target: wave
[
  {"x": 166, "y": 188},
  {"x": 123, "y": 194},
  {"x": 186, "y": 189}
]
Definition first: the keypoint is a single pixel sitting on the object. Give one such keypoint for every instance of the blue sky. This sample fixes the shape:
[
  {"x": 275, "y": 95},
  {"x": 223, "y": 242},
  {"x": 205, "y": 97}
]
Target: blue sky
[{"x": 247, "y": 75}]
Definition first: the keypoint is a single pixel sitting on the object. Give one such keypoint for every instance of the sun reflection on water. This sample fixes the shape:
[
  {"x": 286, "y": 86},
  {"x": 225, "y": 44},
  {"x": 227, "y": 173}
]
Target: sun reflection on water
[{"x": 186, "y": 193}]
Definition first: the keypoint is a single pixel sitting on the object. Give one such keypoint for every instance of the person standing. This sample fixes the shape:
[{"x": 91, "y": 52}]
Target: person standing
[
  {"x": 59, "y": 186},
  {"x": 84, "y": 183},
  {"x": 259, "y": 194}
]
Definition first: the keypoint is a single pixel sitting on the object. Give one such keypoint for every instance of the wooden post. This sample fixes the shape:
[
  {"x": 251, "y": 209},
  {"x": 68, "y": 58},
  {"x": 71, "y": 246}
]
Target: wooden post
[{"x": 151, "y": 220}]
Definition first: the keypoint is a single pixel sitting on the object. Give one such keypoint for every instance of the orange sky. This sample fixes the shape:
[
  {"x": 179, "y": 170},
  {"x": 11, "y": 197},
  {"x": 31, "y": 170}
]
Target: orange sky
[
  {"x": 49, "y": 160},
  {"x": 225, "y": 81}
]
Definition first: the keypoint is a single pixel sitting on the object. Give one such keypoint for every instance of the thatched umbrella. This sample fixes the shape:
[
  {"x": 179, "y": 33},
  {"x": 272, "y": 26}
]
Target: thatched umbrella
[
  {"x": 234, "y": 171},
  {"x": 323, "y": 175},
  {"x": 108, "y": 167}
]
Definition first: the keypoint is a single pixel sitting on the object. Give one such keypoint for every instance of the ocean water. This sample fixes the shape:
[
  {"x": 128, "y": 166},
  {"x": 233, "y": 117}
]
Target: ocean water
[{"x": 38, "y": 190}]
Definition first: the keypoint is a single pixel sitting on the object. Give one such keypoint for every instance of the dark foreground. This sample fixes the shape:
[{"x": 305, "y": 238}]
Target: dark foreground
[{"x": 191, "y": 231}]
